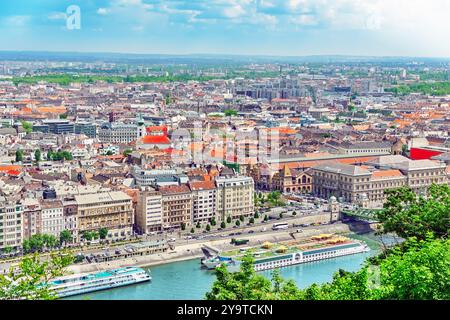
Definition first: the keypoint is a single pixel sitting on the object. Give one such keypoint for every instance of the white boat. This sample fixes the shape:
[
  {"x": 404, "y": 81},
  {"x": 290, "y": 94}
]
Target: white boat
[{"x": 84, "y": 283}]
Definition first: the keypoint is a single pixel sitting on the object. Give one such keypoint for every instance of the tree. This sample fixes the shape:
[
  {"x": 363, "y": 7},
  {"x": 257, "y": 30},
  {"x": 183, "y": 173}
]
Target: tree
[
  {"x": 228, "y": 219},
  {"x": 19, "y": 156},
  {"x": 37, "y": 155},
  {"x": 256, "y": 216},
  {"x": 198, "y": 226},
  {"x": 238, "y": 223},
  {"x": 266, "y": 217},
  {"x": 223, "y": 225},
  {"x": 65, "y": 236},
  {"x": 30, "y": 280},
  {"x": 230, "y": 113},
  {"x": 109, "y": 153},
  {"x": 281, "y": 215},
  {"x": 208, "y": 228},
  {"x": 213, "y": 221},
  {"x": 294, "y": 213},
  {"x": 183, "y": 226},
  {"x": 28, "y": 127},
  {"x": 410, "y": 215},
  {"x": 252, "y": 220},
  {"x": 192, "y": 230},
  {"x": 103, "y": 233},
  {"x": 127, "y": 152},
  {"x": 242, "y": 218}
]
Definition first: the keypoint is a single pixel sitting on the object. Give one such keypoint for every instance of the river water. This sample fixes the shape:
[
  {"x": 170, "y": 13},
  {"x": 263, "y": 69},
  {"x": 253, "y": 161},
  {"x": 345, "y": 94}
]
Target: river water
[{"x": 186, "y": 281}]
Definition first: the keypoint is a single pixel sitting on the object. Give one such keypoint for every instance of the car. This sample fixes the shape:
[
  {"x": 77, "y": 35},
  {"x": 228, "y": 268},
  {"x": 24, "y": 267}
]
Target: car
[
  {"x": 172, "y": 240},
  {"x": 251, "y": 231}
]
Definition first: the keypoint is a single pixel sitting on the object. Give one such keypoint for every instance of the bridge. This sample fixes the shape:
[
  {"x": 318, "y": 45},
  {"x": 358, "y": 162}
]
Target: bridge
[{"x": 368, "y": 215}]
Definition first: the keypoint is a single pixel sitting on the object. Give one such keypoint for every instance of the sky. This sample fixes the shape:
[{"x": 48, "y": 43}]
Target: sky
[{"x": 250, "y": 27}]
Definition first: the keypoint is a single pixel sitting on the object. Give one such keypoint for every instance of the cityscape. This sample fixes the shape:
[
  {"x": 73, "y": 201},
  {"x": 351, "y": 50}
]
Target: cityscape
[{"x": 186, "y": 171}]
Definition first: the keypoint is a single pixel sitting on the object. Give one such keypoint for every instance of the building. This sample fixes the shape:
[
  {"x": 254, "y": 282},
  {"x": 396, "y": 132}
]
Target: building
[
  {"x": 355, "y": 184},
  {"x": 55, "y": 126},
  {"x": 52, "y": 217},
  {"x": 289, "y": 180},
  {"x": 177, "y": 206},
  {"x": 235, "y": 196},
  {"x": 11, "y": 234},
  {"x": 115, "y": 132},
  {"x": 149, "y": 211},
  {"x": 363, "y": 147},
  {"x": 86, "y": 128},
  {"x": 204, "y": 201},
  {"x": 111, "y": 210},
  {"x": 32, "y": 218}
]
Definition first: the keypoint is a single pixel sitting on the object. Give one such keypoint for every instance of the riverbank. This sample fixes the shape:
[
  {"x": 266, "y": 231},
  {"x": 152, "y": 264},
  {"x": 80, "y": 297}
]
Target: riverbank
[{"x": 194, "y": 250}]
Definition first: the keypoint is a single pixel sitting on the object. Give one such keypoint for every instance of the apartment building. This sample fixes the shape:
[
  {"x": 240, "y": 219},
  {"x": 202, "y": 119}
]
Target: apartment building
[
  {"x": 149, "y": 211},
  {"x": 11, "y": 234},
  {"x": 177, "y": 206},
  {"x": 52, "y": 217},
  {"x": 111, "y": 210},
  {"x": 32, "y": 218},
  {"x": 120, "y": 132},
  {"x": 204, "y": 201},
  {"x": 235, "y": 196}
]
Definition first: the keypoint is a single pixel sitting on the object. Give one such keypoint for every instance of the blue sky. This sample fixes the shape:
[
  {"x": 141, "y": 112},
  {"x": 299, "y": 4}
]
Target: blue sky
[{"x": 265, "y": 27}]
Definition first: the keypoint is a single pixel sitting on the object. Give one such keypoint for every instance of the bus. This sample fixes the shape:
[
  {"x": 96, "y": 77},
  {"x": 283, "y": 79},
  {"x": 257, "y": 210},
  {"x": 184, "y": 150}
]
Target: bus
[{"x": 280, "y": 226}]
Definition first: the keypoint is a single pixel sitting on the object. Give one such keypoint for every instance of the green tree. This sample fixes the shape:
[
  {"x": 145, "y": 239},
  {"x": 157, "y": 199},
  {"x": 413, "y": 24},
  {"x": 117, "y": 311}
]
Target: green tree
[
  {"x": 252, "y": 220},
  {"x": 230, "y": 113},
  {"x": 103, "y": 233},
  {"x": 256, "y": 216},
  {"x": 242, "y": 218},
  {"x": 238, "y": 223},
  {"x": 228, "y": 219},
  {"x": 411, "y": 215},
  {"x": 192, "y": 230},
  {"x": 213, "y": 221},
  {"x": 266, "y": 217},
  {"x": 37, "y": 155},
  {"x": 28, "y": 127},
  {"x": 19, "y": 156},
  {"x": 183, "y": 226},
  {"x": 294, "y": 213},
  {"x": 208, "y": 228},
  {"x": 198, "y": 226},
  {"x": 127, "y": 152},
  {"x": 65, "y": 236},
  {"x": 30, "y": 280},
  {"x": 223, "y": 225}
]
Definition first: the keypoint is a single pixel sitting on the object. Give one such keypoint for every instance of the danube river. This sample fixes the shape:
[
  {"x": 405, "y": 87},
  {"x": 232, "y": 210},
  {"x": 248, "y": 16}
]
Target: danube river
[{"x": 186, "y": 281}]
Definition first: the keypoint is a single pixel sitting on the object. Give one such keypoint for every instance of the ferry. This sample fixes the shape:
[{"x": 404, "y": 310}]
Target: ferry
[
  {"x": 85, "y": 283},
  {"x": 284, "y": 254}
]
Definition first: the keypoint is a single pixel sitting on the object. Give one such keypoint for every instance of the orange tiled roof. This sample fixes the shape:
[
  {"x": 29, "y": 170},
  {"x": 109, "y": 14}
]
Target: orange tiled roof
[
  {"x": 202, "y": 185},
  {"x": 386, "y": 174},
  {"x": 7, "y": 168}
]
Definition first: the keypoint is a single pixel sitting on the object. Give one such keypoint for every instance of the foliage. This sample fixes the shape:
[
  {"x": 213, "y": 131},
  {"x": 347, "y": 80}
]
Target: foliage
[
  {"x": 38, "y": 242},
  {"x": 230, "y": 113},
  {"x": 60, "y": 155},
  {"x": 183, "y": 226},
  {"x": 242, "y": 218},
  {"x": 410, "y": 215},
  {"x": 19, "y": 156},
  {"x": 65, "y": 236},
  {"x": 228, "y": 219},
  {"x": 29, "y": 281},
  {"x": 223, "y": 225},
  {"x": 432, "y": 88},
  {"x": 37, "y": 155},
  {"x": 208, "y": 228},
  {"x": 103, "y": 233},
  {"x": 28, "y": 127},
  {"x": 90, "y": 235},
  {"x": 252, "y": 220},
  {"x": 127, "y": 152},
  {"x": 420, "y": 272},
  {"x": 238, "y": 223},
  {"x": 192, "y": 230},
  {"x": 213, "y": 221}
]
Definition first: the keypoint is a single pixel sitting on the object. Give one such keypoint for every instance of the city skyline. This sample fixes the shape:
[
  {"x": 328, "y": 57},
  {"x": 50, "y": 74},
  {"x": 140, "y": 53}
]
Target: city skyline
[{"x": 250, "y": 27}]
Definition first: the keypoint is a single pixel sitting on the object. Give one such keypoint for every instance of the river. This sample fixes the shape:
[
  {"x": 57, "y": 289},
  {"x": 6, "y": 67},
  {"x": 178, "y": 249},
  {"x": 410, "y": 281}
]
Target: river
[{"x": 186, "y": 281}]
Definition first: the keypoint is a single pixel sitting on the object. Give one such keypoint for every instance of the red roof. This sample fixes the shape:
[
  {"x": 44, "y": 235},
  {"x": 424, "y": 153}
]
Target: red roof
[{"x": 155, "y": 140}]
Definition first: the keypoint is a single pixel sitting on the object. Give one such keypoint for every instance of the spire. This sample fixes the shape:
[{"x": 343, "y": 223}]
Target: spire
[{"x": 287, "y": 171}]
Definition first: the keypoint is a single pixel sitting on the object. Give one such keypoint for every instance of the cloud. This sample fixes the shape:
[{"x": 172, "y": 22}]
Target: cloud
[
  {"x": 17, "y": 21},
  {"x": 103, "y": 11},
  {"x": 57, "y": 16}
]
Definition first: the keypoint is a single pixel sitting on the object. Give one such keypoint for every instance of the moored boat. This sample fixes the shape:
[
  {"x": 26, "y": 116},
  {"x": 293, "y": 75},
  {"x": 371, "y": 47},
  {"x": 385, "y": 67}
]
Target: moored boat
[{"x": 85, "y": 283}]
